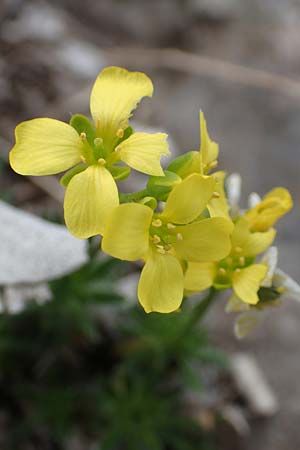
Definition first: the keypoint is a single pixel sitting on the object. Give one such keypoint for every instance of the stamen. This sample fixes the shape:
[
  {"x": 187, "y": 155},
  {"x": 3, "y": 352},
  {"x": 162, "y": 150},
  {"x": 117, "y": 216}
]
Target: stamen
[
  {"x": 156, "y": 239},
  {"x": 281, "y": 289},
  {"x": 168, "y": 247},
  {"x": 83, "y": 159},
  {"x": 120, "y": 133},
  {"x": 161, "y": 250},
  {"x": 170, "y": 226},
  {"x": 222, "y": 271},
  {"x": 216, "y": 194},
  {"x": 242, "y": 260},
  {"x": 97, "y": 123},
  {"x": 179, "y": 237},
  {"x": 98, "y": 141},
  {"x": 83, "y": 136},
  {"x": 118, "y": 149},
  {"x": 157, "y": 223},
  {"x": 238, "y": 249},
  {"x": 101, "y": 161},
  {"x": 237, "y": 270}
]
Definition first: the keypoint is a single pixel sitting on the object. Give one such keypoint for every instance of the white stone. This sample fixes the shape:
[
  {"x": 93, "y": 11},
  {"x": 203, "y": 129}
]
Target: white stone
[{"x": 34, "y": 250}]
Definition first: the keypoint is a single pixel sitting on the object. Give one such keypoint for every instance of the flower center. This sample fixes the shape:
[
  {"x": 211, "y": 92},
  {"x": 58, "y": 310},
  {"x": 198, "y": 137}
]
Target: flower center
[{"x": 164, "y": 235}]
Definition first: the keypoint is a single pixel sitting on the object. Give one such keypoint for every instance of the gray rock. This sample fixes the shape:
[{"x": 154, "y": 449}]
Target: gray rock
[
  {"x": 40, "y": 22},
  {"x": 34, "y": 250}
]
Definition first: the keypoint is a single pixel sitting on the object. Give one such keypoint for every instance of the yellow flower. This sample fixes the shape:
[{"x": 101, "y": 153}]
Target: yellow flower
[
  {"x": 197, "y": 161},
  {"x": 238, "y": 270},
  {"x": 218, "y": 205},
  {"x": 273, "y": 206},
  {"x": 209, "y": 150},
  {"x": 165, "y": 240},
  {"x": 203, "y": 161},
  {"x": 46, "y": 146}
]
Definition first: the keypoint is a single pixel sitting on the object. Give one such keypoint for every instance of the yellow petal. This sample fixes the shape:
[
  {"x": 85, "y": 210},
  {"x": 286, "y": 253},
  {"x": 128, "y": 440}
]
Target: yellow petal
[
  {"x": 161, "y": 284},
  {"x": 142, "y": 152},
  {"x": 90, "y": 197},
  {"x": 273, "y": 206},
  {"x": 204, "y": 241},
  {"x": 199, "y": 276},
  {"x": 246, "y": 282},
  {"x": 246, "y": 323},
  {"x": 209, "y": 149},
  {"x": 234, "y": 304},
  {"x": 126, "y": 234},
  {"x": 114, "y": 96},
  {"x": 45, "y": 147},
  {"x": 246, "y": 243},
  {"x": 188, "y": 199},
  {"x": 218, "y": 206}
]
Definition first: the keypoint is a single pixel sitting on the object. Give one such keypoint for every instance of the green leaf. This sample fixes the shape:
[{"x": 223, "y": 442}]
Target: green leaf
[
  {"x": 120, "y": 172},
  {"x": 149, "y": 201},
  {"x": 127, "y": 133},
  {"x": 83, "y": 125},
  {"x": 160, "y": 186},
  {"x": 67, "y": 177},
  {"x": 185, "y": 164}
]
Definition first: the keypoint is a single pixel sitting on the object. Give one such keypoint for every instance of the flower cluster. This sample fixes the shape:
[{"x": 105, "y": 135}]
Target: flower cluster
[{"x": 185, "y": 225}]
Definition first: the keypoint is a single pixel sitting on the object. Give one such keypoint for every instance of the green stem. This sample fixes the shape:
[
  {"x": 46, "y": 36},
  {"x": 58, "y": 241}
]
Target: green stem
[
  {"x": 199, "y": 310},
  {"x": 134, "y": 196}
]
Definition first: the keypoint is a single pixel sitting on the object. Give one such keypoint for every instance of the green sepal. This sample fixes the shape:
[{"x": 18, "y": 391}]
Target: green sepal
[
  {"x": 67, "y": 177},
  {"x": 83, "y": 125},
  {"x": 267, "y": 294},
  {"x": 149, "y": 201},
  {"x": 120, "y": 172},
  {"x": 185, "y": 164},
  {"x": 160, "y": 186},
  {"x": 127, "y": 132}
]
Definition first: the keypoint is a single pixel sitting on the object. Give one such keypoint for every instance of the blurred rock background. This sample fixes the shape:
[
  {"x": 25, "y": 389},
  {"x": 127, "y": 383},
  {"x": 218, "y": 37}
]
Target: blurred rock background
[{"x": 245, "y": 77}]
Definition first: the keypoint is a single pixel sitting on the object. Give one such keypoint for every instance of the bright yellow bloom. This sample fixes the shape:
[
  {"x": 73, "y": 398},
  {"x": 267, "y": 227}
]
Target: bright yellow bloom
[
  {"x": 47, "y": 146},
  {"x": 218, "y": 205},
  {"x": 166, "y": 239},
  {"x": 273, "y": 206},
  {"x": 209, "y": 150},
  {"x": 197, "y": 161},
  {"x": 238, "y": 270}
]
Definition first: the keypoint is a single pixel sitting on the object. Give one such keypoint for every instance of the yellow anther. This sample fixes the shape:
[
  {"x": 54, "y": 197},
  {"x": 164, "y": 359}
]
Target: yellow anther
[
  {"x": 83, "y": 136},
  {"x": 101, "y": 161},
  {"x": 168, "y": 247},
  {"x": 179, "y": 237},
  {"x": 157, "y": 223},
  {"x": 156, "y": 239},
  {"x": 238, "y": 249},
  {"x": 161, "y": 250},
  {"x": 241, "y": 260},
  {"x": 170, "y": 226},
  {"x": 120, "y": 133},
  {"x": 83, "y": 159},
  {"x": 216, "y": 194},
  {"x": 118, "y": 149},
  {"x": 281, "y": 289},
  {"x": 98, "y": 141},
  {"x": 222, "y": 271},
  {"x": 237, "y": 270}
]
